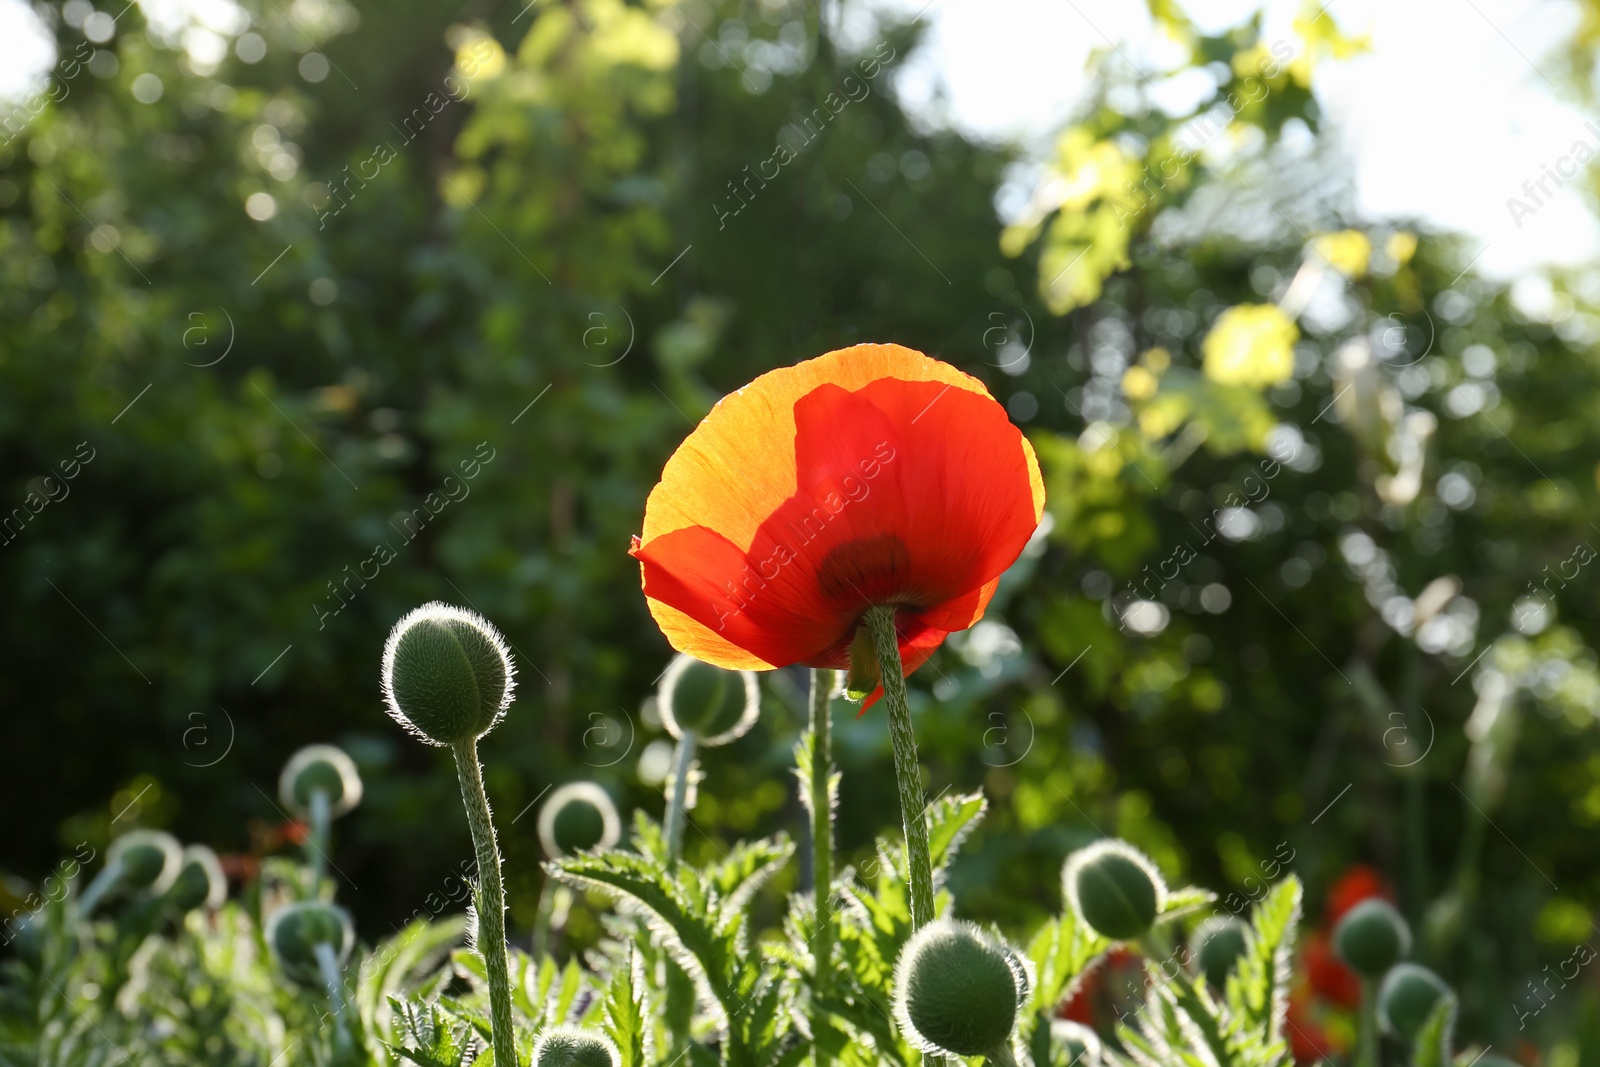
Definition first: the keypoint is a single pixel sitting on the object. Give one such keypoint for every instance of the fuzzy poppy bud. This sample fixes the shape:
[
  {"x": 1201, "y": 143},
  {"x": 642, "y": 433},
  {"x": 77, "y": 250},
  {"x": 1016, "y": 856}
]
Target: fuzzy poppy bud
[
  {"x": 145, "y": 859},
  {"x": 714, "y": 705},
  {"x": 295, "y": 932},
  {"x": 1074, "y": 1045},
  {"x": 447, "y": 674},
  {"x": 957, "y": 990},
  {"x": 1407, "y": 997},
  {"x": 1114, "y": 888},
  {"x": 320, "y": 768},
  {"x": 1216, "y": 944},
  {"x": 568, "y": 1046},
  {"x": 579, "y": 816},
  {"x": 1372, "y": 937},
  {"x": 200, "y": 881}
]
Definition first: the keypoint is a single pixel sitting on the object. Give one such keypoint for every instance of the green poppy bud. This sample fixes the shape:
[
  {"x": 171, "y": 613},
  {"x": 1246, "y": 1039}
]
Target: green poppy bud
[
  {"x": 568, "y": 1046},
  {"x": 1216, "y": 944},
  {"x": 1372, "y": 937},
  {"x": 200, "y": 881},
  {"x": 1114, "y": 888},
  {"x": 579, "y": 816},
  {"x": 957, "y": 990},
  {"x": 1407, "y": 997},
  {"x": 145, "y": 859},
  {"x": 715, "y": 705},
  {"x": 447, "y": 674},
  {"x": 295, "y": 931},
  {"x": 323, "y": 768},
  {"x": 1074, "y": 1045}
]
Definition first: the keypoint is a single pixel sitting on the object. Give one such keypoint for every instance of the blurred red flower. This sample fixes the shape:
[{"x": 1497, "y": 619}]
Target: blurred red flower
[
  {"x": 1355, "y": 885},
  {"x": 1327, "y": 974}
]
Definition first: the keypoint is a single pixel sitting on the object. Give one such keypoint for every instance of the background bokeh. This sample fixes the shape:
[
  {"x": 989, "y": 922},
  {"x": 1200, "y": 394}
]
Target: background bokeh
[{"x": 315, "y": 311}]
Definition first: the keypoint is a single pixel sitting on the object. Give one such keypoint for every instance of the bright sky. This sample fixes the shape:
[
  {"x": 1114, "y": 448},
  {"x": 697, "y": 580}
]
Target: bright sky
[{"x": 1445, "y": 118}]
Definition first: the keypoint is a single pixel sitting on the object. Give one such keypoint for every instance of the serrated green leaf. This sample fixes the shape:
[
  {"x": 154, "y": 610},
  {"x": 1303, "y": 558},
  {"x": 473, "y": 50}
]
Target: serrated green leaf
[{"x": 1434, "y": 1044}]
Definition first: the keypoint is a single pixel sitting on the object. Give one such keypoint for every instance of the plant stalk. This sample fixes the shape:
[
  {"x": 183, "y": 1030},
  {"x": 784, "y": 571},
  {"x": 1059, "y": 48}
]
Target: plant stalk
[
  {"x": 1367, "y": 1034},
  {"x": 317, "y": 840},
  {"x": 821, "y": 852},
  {"x": 677, "y": 801},
  {"x": 491, "y": 900},
  {"x": 880, "y": 623},
  {"x": 329, "y": 966}
]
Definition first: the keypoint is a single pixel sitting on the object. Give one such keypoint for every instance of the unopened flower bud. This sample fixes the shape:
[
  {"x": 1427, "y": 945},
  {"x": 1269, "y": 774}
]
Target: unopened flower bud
[
  {"x": 579, "y": 816},
  {"x": 1074, "y": 1045},
  {"x": 957, "y": 990},
  {"x": 1407, "y": 997},
  {"x": 1114, "y": 888},
  {"x": 200, "y": 881},
  {"x": 1216, "y": 944},
  {"x": 295, "y": 931},
  {"x": 713, "y": 704},
  {"x": 319, "y": 768},
  {"x": 1372, "y": 937},
  {"x": 568, "y": 1046},
  {"x": 145, "y": 859},
  {"x": 447, "y": 674}
]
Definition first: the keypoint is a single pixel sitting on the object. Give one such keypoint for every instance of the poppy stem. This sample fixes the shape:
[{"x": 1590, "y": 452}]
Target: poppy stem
[
  {"x": 821, "y": 805},
  {"x": 317, "y": 840},
  {"x": 678, "y": 799},
  {"x": 491, "y": 899},
  {"x": 907, "y": 773}
]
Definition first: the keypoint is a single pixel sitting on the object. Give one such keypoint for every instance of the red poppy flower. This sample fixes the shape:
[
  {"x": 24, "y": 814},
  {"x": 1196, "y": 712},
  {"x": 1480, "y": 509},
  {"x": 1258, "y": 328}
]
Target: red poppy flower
[
  {"x": 1327, "y": 973},
  {"x": 1309, "y": 1041},
  {"x": 1355, "y": 885},
  {"x": 873, "y": 475}
]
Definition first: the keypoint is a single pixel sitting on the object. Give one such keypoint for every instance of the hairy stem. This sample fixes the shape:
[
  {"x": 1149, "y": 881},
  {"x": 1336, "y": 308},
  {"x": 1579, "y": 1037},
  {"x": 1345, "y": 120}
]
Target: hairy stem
[
  {"x": 821, "y": 851},
  {"x": 677, "y": 801},
  {"x": 880, "y": 623},
  {"x": 491, "y": 900}
]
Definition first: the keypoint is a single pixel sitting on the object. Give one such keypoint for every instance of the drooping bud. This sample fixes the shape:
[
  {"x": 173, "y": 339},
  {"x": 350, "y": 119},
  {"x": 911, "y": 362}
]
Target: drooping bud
[
  {"x": 578, "y": 816},
  {"x": 447, "y": 674},
  {"x": 294, "y": 933},
  {"x": 1407, "y": 997},
  {"x": 568, "y": 1046},
  {"x": 957, "y": 990},
  {"x": 715, "y": 705},
  {"x": 323, "y": 768},
  {"x": 145, "y": 859},
  {"x": 1074, "y": 1045},
  {"x": 1372, "y": 937},
  {"x": 1114, "y": 888},
  {"x": 1216, "y": 944},
  {"x": 200, "y": 881}
]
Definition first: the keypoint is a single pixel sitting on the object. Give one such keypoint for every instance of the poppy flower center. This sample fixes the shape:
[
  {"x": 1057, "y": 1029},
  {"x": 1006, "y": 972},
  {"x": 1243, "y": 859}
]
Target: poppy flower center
[{"x": 868, "y": 570}]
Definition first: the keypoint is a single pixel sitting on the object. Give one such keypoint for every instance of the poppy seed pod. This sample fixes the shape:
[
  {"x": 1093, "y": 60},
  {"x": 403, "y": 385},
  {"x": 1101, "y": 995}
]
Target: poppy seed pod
[
  {"x": 447, "y": 674},
  {"x": 1074, "y": 1045},
  {"x": 295, "y": 931},
  {"x": 1407, "y": 997},
  {"x": 145, "y": 859},
  {"x": 200, "y": 881},
  {"x": 322, "y": 768},
  {"x": 1372, "y": 937},
  {"x": 568, "y": 1046},
  {"x": 713, "y": 704},
  {"x": 1114, "y": 888},
  {"x": 957, "y": 989},
  {"x": 579, "y": 816},
  {"x": 1216, "y": 944}
]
